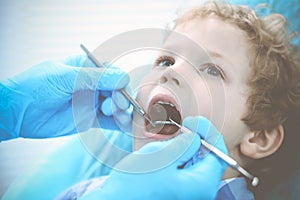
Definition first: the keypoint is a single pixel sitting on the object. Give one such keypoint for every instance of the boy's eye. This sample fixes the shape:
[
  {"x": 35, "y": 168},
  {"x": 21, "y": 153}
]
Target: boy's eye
[
  {"x": 211, "y": 69},
  {"x": 164, "y": 61}
]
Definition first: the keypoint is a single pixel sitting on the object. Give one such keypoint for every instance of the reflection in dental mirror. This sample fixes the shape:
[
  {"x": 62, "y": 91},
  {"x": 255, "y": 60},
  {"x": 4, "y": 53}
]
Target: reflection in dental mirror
[{"x": 161, "y": 112}]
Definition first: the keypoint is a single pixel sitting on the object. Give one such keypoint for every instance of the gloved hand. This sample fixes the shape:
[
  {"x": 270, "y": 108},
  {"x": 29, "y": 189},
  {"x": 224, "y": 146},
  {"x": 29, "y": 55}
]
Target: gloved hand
[
  {"x": 58, "y": 98},
  {"x": 154, "y": 172}
]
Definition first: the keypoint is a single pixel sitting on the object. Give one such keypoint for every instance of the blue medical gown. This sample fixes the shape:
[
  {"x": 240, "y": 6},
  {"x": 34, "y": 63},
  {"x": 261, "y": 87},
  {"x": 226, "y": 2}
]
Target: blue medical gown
[{"x": 83, "y": 156}]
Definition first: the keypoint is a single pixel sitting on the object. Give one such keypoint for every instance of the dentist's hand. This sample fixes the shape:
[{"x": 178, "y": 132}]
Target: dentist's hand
[
  {"x": 59, "y": 98},
  {"x": 155, "y": 171}
]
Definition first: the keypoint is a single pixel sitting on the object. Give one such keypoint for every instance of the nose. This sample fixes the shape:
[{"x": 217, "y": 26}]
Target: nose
[{"x": 170, "y": 76}]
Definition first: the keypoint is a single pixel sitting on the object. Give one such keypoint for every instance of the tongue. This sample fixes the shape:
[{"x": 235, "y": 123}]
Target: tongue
[{"x": 162, "y": 112}]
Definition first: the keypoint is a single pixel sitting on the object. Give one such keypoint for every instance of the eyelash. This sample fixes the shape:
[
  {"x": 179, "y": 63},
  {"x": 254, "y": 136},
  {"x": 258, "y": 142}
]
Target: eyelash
[
  {"x": 205, "y": 66},
  {"x": 202, "y": 67},
  {"x": 160, "y": 59}
]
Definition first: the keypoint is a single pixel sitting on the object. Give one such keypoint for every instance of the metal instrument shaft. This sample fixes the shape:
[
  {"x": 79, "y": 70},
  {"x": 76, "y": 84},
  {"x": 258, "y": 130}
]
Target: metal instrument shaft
[
  {"x": 135, "y": 104},
  {"x": 230, "y": 161}
]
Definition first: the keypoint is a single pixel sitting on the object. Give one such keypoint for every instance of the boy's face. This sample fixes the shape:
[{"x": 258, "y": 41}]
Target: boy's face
[{"x": 215, "y": 87}]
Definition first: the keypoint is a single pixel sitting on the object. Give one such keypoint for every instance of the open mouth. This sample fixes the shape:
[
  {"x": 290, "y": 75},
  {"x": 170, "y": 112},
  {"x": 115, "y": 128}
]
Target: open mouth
[{"x": 163, "y": 111}]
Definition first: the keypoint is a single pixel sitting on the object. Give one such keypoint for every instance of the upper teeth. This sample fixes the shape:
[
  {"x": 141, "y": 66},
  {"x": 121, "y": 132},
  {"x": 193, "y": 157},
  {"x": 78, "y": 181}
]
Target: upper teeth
[{"x": 166, "y": 103}]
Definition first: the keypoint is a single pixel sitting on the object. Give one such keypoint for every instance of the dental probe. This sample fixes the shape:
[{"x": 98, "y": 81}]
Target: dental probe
[
  {"x": 230, "y": 161},
  {"x": 135, "y": 104}
]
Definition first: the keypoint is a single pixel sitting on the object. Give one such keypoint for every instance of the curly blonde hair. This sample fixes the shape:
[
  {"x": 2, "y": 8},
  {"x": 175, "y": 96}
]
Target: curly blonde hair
[{"x": 274, "y": 84}]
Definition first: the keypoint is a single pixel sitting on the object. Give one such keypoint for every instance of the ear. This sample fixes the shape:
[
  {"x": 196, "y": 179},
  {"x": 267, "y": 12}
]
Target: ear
[{"x": 261, "y": 144}]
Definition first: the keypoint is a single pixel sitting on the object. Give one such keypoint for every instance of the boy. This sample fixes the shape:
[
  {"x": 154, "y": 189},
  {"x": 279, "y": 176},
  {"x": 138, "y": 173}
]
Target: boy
[
  {"x": 259, "y": 71},
  {"x": 251, "y": 65}
]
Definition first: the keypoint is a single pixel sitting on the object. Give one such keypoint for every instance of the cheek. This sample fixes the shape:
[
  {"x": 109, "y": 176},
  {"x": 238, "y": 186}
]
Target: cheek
[
  {"x": 148, "y": 83},
  {"x": 233, "y": 133},
  {"x": 234, "y": 128},
  {"x": 210, "y": 95},
  {"x": 203, "y": 104}
]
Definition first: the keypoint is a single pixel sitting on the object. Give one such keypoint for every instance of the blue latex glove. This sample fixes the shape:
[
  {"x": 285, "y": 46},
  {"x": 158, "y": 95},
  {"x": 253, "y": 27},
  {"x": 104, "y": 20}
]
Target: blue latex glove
[
  {"x": 38, "y": 102},
  {"x": 69, "y": 163},
  {"x": 153, "y": 173}
]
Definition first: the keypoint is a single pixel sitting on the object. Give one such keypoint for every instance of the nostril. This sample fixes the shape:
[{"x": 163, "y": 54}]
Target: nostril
[
  {"x": 176, "y": 81},
  {"x": 163, "y": 79}
]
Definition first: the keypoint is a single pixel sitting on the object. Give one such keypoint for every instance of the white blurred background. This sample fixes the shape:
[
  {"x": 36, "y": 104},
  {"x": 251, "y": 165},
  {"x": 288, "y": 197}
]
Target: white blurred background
[{"x": 34, "y": 31}]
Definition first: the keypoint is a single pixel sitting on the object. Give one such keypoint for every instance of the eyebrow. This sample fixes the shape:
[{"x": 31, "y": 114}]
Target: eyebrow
[
  {"x": 214, "y": 54},
  {"x": 211, "y": 53},
  {"x": 218, "y": 55}
]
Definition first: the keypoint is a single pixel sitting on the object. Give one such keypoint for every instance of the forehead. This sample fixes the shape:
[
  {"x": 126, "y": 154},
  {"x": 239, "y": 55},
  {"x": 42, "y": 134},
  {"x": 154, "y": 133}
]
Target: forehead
[
  {"x": 217, "y": 38},
  {"x": 212, "y": 33}
]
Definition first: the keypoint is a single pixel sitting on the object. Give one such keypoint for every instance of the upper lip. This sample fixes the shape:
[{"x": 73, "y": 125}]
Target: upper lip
[{"x": 164, "y": 98}]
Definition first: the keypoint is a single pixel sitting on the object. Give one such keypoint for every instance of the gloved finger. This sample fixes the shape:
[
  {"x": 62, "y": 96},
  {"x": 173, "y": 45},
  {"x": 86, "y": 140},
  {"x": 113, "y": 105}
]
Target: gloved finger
[
  {"x": 208, "y": 166},
  {"x": 122, "y": 114},
  {"x": 203, "y": 127},
  {"x": 120, "y": 101},
  {"x": 191, "y": 150},
  {"x": 96, "y": 79},
  {"x": 116, "y": 103},
  {"x": 124, "y": 119},
  {"x": 211, "y": 170},
  {"x": 160, "y": 154},
  {"x": 100, "y": 99},
  {"x": 207, "y": 162},
  {"x": 207, "y": 131},
  {"x": 211, "y": 165},
  {"x": 107, "y": 107}
]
